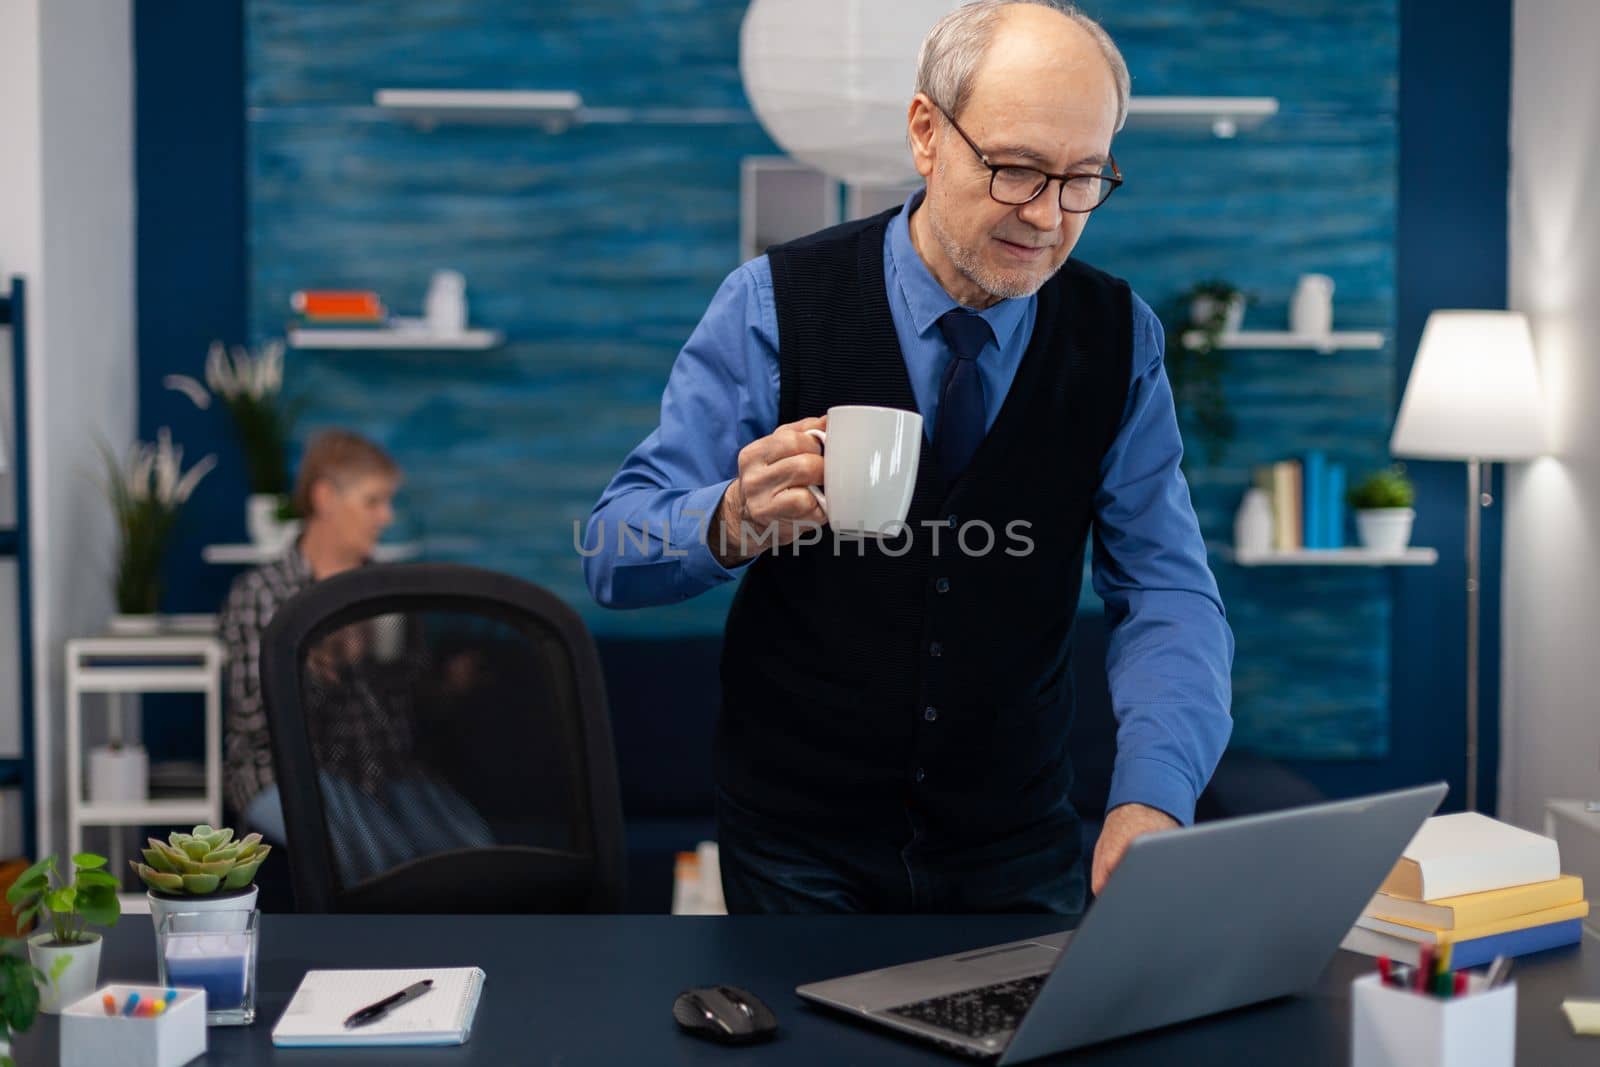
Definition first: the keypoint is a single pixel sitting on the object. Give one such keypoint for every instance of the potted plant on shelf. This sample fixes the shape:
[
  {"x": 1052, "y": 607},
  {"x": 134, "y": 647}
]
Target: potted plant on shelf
[
  {"x": 250, "y": 385},
  {"x": 147, "y": 493},
  {"x": 67, "y": 954},
  {"x": 1382, "y": 503},
  {"x": 20, "y": 982},
  {"x": 203, "y": 871},
  {"x": 1195, "y": 359}
]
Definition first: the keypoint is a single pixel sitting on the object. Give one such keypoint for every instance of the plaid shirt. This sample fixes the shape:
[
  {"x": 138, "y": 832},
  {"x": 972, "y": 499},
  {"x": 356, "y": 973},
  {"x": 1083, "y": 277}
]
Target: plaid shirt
[
  {"x": 253, "y": 599},
  {"x": 356, "y": 707}
]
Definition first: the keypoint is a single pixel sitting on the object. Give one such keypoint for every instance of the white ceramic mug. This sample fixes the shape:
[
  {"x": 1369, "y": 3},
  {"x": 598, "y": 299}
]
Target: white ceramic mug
[{"x": 870, "y": 459}]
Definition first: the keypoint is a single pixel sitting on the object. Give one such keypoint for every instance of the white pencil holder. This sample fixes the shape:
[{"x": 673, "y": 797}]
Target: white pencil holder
[
  {"x": 91, "y": 1038},
  {"x": 1401, "y": 1028}
]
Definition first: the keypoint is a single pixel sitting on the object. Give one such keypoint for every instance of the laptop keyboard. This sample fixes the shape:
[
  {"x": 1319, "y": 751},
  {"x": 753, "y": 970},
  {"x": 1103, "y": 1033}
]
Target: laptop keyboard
[{"x": 978, "y": 1012}]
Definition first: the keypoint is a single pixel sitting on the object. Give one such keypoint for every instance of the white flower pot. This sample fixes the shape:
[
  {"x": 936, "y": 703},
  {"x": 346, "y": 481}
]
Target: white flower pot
[
  {"x": 231, "y": 910},
  {"x": 1201, "y": 308},
  {"x": 261, "y": 521},
  {"x": 1385, "y": 530},
  {"x": 78, "y": 974}
]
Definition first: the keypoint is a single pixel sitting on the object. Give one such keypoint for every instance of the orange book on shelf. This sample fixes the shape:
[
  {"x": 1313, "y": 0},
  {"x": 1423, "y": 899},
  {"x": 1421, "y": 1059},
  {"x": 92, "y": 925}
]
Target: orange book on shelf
[{"x": 344, "y": 305}]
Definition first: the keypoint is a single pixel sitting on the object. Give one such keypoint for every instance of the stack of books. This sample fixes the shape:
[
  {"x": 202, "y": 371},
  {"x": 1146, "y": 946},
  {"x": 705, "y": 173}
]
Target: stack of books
[
  {"x": 1474, "y": 887},
  {"x": 1308, "y": 510},
  {"x": 338, "y": 308}
]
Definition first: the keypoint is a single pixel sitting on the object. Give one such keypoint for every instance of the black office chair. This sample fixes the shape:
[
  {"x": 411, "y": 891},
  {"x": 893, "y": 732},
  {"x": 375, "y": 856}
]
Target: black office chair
[{"x": 442, "y": 745}]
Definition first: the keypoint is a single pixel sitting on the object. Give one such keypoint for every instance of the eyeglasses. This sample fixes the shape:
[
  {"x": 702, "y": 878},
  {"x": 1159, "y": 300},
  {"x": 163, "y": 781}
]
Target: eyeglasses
[{"x": 1080, "y": 193}]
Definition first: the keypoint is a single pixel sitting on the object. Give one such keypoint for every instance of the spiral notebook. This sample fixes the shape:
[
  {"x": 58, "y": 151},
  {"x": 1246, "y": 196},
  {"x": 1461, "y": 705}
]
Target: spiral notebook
[{"x": 441, "y": 1016}]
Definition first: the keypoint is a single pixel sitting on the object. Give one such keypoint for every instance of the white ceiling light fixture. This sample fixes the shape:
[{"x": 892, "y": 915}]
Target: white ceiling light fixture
[{"x": 830, "y": 80}]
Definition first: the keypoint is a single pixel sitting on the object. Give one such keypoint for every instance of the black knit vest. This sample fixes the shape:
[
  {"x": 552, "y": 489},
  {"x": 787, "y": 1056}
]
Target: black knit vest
[{"x": 862, "y": 679}]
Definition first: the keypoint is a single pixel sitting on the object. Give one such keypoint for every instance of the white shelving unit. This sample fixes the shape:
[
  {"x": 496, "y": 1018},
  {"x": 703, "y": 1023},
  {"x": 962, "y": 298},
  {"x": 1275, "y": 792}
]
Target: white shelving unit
[
  {"x": 393, "y": 339},
  {"x": 130, "y": 666},
  {"x": 254, "y": 555},
  {"x": 1319, "y": 342},
  {"x": 1338, "y": 557}
]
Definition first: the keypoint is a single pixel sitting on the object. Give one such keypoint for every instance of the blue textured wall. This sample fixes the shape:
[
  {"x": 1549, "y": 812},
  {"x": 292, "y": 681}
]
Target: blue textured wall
[{"x": 597, "y": 249}]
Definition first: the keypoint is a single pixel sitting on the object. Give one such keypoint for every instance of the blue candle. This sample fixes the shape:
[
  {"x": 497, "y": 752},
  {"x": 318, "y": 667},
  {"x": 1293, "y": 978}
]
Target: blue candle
[{"x": 220, "y": 974}]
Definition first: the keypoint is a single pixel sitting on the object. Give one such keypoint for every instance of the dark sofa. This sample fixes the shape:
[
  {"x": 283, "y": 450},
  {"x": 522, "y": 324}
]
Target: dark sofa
[{"x": 664, "y": 696}]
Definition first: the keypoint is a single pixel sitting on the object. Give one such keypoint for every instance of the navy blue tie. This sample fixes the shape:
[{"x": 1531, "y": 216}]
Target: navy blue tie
[{"x": 962, "y": 415}]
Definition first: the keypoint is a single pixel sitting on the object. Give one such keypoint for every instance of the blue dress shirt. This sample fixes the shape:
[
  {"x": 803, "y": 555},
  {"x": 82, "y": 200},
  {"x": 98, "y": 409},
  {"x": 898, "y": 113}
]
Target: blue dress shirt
[{"x": 1170, "y": 653}]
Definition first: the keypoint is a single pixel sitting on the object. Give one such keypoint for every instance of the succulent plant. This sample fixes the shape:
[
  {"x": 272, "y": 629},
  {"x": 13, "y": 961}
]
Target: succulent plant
[{"x": 204, "y": 861}]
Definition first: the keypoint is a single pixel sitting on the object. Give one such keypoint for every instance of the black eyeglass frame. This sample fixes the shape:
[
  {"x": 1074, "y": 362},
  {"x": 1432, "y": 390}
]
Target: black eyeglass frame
[{"x": 1112, "y": 180}]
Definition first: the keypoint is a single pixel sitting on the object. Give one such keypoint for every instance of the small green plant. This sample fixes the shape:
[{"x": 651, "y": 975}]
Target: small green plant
[
  {"x": 90, "y": 896},
  {"x": 19, "y": 992},
  {"x": 201, "y": 862},
  {"x": 1388, "y": 488},
  {"x": 1195, "y": 362}
]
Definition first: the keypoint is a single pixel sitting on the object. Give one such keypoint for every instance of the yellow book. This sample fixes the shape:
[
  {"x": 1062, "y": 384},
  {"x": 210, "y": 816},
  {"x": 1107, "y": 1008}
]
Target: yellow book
[
  {"x": 1476, "y": 909},
  {"x": 1429, "y": 935}
]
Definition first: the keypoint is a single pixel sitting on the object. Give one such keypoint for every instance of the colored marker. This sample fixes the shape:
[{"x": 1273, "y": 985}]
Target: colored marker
[
  {"x": 1385, "y": 970},
  {"x": 131, "y": 1005},
  {"x": 1424, "y": 968},
  {"x": 110, "y": 1002},
  {"x": 1461, "y": 983},
  {"x": 157, "y": 1007},
  {"x": 172, "y": 994}
]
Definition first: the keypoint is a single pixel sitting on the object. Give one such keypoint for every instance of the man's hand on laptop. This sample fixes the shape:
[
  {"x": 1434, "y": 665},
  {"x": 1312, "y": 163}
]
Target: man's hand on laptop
[{"x": 1124, "y": 823}]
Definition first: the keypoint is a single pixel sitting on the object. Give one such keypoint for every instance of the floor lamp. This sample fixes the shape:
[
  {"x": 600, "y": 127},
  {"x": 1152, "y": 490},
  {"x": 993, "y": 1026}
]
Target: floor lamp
[{"x": 1473, "y": 395}]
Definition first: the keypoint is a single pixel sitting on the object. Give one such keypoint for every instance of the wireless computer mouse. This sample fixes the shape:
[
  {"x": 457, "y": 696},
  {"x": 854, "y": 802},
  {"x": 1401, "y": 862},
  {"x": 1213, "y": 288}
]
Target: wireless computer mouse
[{"x": 724, "y": 1013}]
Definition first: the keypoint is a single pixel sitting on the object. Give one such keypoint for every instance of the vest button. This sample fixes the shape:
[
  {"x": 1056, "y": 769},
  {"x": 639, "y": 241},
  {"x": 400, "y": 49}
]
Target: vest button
[
  {"x": 935, "y": 649},
  {"x": 920, "y": 774},
  {"x": 930, "y": 714},
  {"x": 942, "y": 585}
]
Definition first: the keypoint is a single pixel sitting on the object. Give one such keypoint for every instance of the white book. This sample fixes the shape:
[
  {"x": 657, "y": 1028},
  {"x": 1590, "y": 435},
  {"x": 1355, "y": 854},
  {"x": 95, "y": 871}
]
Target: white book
[
  {"x": 1470, "y": 853},
  {"x": 441, "y": 1016}
]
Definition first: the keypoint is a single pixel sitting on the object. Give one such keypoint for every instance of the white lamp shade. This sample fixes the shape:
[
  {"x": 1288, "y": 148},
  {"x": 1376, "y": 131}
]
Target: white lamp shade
[
  {"x": 1473, "y": 391},
  {"x": 831, "y": 80}
]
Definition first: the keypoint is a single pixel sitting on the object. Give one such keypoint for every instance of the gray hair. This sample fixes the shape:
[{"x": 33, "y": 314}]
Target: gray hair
[{"x": 957, "y": 43}]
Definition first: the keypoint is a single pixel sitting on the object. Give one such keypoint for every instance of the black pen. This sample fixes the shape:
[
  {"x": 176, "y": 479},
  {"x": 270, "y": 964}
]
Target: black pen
[{"x": 373, "y": 1012}]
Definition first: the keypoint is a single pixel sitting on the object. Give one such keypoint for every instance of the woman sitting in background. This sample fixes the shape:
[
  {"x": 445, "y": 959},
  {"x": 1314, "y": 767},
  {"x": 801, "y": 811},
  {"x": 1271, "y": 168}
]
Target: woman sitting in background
[{"x": 383, "y": 806}]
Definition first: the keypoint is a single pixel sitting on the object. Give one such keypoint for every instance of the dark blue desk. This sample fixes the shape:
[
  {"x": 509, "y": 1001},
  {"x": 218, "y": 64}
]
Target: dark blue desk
[{"x": 598, "y": 990}]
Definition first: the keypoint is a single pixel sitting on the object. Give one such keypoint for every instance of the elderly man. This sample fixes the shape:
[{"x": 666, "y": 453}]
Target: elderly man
[{"x": 893, "y": 735}]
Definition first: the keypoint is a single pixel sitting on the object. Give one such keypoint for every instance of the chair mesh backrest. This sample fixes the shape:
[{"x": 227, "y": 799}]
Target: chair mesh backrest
[
  {"x": 437, "y": 730},
  {"x": 441, "y": 738}
]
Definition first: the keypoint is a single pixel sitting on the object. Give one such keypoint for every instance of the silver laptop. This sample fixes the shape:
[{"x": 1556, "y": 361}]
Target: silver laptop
[{"x": 1194, "y": 921}]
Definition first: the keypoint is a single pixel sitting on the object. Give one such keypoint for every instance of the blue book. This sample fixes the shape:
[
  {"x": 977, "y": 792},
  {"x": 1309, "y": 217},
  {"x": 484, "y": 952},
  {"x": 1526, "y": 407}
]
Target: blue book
[
  {"x": 1316, "y": 500},
  {"x": 1481, "y": 950},
  {"x": 1334, "y": 512}
]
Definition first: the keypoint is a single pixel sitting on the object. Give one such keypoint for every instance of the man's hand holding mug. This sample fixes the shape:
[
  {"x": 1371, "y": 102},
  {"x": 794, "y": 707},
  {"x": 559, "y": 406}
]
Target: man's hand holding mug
[{"x": 769, "y": 503}]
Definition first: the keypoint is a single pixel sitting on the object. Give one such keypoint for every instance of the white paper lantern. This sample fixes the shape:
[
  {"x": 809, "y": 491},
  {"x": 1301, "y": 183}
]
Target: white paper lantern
[{"x": 831, "y": 80}]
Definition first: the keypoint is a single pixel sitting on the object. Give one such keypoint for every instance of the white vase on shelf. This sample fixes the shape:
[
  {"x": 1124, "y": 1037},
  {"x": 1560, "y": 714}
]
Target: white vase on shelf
[
  {"x": 1252, "y": 524},
  {"x": 1311, "y": 309}
]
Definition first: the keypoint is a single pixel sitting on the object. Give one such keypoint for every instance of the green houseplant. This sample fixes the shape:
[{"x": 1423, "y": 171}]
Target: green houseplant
[
  {"x": 67, "y": 954},
  {"x": 20, "y": 981},
  {"x": 250, "y": 386},
  {"x": 147, "y": 492},
  {"x": 205, "y": 870},
  {"x": 1382, "y": 503},
  {"x": 1195, "y": 360}
]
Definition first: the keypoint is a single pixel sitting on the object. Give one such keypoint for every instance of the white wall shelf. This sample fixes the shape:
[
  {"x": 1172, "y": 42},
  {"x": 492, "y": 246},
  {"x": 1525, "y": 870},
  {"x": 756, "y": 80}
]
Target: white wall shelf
[
  {"x": 556, "y": 110},
  {"x": 394, "y": 339},
  {"x": 1337, "y": 557},
  {"x": 254, "y": 555},
  {"x": 1282, "y": 339},
  {"x": 1224, "y": 116}
]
